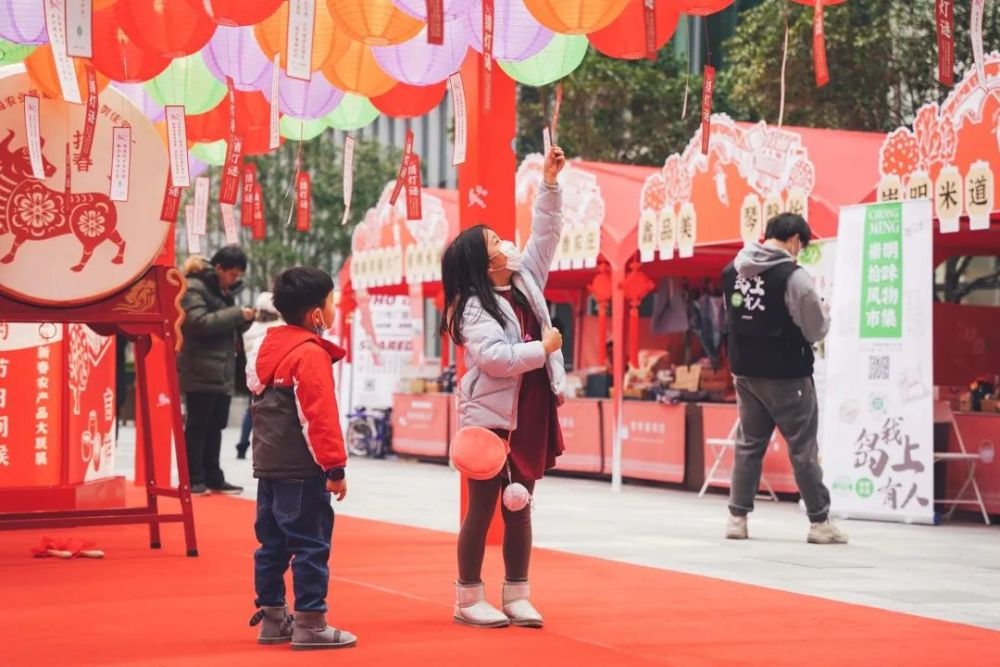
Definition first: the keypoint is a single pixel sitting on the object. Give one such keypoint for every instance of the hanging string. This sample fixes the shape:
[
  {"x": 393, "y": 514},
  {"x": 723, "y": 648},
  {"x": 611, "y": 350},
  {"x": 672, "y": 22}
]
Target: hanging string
[
  {"x": 687, "y": 80},
  {"x": 784, "y": 61}
]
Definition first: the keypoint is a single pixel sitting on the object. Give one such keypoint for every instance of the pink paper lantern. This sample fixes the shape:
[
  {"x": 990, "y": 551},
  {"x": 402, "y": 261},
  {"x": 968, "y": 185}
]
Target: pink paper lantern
[
  {"x": 517, "y": 34},
  {"x": 234, "y": 52},
  {"x": 23, "y": 22},
  {"x": 137, "y": 95},
  {"x": 418, "y": 8},
  {"x": 306, "y": 100},
  {"x": 421, "y": 64}
]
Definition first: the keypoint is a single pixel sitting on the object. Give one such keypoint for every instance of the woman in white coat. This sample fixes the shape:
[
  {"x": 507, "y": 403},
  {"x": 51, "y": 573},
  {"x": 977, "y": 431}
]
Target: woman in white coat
[{"x": 514, "y": 382}]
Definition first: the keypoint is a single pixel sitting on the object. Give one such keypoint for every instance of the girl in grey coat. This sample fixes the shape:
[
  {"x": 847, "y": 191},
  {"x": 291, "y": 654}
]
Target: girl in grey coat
[{"x": 514, "y": 382}]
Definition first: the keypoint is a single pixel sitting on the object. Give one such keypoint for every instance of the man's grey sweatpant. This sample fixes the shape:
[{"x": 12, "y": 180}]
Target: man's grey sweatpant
[{"x": 791, "y": 406}]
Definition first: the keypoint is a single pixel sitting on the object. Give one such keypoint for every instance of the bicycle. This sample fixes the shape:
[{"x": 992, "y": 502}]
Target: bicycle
[{"x": 369, "y": 433}]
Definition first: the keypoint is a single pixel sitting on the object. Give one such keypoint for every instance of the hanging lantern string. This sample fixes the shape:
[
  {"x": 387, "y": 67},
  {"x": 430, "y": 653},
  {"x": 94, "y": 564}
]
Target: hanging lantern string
[
  {"x": 295, "y": 177},
  {"x": 687, "y": 82},
  {"x": 784, "y": 61}
]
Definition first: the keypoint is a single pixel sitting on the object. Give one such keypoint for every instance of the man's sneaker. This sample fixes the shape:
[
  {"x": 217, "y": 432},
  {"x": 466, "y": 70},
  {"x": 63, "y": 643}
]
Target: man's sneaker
[
  {"x": 199, "y": 490},
  {"x": 227, "y": 489},
  {"x": 736, "y": 528},
  {"x": 826, "y": 532}
]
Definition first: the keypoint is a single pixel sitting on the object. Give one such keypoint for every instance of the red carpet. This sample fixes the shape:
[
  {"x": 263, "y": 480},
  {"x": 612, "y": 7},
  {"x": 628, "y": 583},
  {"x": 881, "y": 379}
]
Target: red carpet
[{"x": 392, "y": 587}]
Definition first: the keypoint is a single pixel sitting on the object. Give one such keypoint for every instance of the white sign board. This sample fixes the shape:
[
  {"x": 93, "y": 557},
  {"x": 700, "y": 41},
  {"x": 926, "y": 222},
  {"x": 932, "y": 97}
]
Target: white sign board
[
  {"x": 878, "y": 448},
  {"x": 383, "y": 347}
]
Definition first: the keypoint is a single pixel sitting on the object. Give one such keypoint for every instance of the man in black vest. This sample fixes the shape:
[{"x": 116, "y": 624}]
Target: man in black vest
[{"x": 775, "y": 316}]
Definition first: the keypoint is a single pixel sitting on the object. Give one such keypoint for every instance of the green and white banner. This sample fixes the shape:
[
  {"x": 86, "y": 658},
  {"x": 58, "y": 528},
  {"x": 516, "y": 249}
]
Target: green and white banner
[{"x": 878, "y": 435}]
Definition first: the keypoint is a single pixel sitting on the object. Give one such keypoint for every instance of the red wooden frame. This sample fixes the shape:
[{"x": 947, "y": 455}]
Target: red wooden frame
[{"x": 150, "y": 306}]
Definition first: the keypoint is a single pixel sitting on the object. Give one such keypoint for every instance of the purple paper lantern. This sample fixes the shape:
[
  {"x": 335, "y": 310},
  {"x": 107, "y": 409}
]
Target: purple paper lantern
[
  {"x": 421, "y": 64},
  {"x": 517, "y": 34},
  {"x": 306, "y": 100},
  {"x": 137, "y": 95},
  {"x": 418, "y": 8},
  {"x": 234, "y": 52},
  {"x": 196, "y": 167},
  {"x": 23, "y": 22}
]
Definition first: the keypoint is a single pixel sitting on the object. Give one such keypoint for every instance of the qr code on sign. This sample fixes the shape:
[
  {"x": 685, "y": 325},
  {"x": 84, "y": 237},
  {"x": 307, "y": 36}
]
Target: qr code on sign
[{"x": 878, "y": 368}]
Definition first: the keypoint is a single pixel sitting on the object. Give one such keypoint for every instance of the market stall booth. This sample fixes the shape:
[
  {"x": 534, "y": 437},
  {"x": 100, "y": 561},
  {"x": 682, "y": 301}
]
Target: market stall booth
[
  {"x": 393, "y": 271},
  {"x": 695, "y": 214},
  {"x": 912, "y": 432}
]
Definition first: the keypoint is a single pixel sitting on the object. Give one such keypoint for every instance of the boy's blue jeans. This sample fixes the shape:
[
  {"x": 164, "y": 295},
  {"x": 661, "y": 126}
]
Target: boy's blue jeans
[{"x": 294, "y": 523}]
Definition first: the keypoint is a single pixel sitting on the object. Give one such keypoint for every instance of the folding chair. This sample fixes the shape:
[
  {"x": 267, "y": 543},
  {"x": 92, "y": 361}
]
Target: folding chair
[
  {"x": 719, "y": 447},
  {"x": 944, "y": 415}
]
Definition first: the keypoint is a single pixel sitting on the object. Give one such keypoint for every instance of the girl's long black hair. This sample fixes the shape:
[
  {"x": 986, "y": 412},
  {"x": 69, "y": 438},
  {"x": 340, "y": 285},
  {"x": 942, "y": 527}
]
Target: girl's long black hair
[{"x": 464, "y": 274}]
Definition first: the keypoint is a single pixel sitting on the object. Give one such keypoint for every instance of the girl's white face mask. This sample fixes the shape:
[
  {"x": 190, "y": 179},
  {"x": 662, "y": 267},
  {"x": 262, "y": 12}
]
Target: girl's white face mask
[{"x": 515, "y": 257}]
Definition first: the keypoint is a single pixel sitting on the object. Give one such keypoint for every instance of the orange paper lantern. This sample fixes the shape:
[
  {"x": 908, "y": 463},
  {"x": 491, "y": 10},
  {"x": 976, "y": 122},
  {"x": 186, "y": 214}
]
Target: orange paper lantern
[
  {"x": 626, "y": 36},
  {"x": 41, "y": 67},
  {"x": 272, "y": 35},
  {"x": 575, "y": 17},
  {"x": 241, "y": 12},
  {"x": 374, "y": 22},
  {"x": 406, "y": 101},
  {"x": 171, "y": 29},
  {"x": 352, "y": 68},
  {"x": 704, "y": 7},
  {"x": 117, "y": 56}
]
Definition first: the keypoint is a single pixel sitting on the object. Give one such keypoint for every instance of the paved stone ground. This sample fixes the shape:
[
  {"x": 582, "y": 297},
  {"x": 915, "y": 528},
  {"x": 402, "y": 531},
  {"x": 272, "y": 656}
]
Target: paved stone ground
[{"x": 949, "y": 572}]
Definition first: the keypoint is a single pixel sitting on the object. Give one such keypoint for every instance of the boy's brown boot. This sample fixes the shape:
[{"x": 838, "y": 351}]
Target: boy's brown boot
[
  {"x": 276, "y": 625},
  {"x": 312, "y": 632}
]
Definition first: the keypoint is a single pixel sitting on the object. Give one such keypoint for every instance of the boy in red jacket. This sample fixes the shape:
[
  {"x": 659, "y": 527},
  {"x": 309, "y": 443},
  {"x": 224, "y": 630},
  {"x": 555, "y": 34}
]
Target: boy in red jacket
[{"x": 299, "y": 459}]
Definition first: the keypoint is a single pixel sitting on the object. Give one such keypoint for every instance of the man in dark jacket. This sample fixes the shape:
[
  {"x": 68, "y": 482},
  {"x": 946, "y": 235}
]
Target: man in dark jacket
[
  {"x": 207, "y": 364},
  {"x": 775, "y": 316}
]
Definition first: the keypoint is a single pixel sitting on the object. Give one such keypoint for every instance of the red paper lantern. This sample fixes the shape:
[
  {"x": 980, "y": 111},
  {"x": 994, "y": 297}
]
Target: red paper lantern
[
  {"x": 258, "y": 141},
  {"x": 171, "y": 28},
  {"x": 703, "y": 7},
  {"x": 626, "y": 36},
  {"x": 406, "y": 101},
  {"x": 826, "y": 3},
  {"x": 117, "y": 56},
  {"x": 210, "y": 126},
  {"x": 241, "y": 12}
]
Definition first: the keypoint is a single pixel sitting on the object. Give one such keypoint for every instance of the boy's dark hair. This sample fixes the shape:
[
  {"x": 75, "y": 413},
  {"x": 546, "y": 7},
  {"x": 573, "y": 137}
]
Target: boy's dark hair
[
  {"x": 786, "y": 225},
  {"x": 298, "y": 290},
  {"x": 230, "y": 257}
]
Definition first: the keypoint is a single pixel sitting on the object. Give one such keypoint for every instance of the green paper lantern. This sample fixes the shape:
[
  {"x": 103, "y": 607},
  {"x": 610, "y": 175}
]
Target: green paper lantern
[
  {"x": 304, "y": 130},
  {"x": 353, "y": 113},
  {"x": 187, "y": 82},
  {"x": 213, "y": 154},
  {"x": 562, "y": 55},
  {"x": 11, "y": 53}
]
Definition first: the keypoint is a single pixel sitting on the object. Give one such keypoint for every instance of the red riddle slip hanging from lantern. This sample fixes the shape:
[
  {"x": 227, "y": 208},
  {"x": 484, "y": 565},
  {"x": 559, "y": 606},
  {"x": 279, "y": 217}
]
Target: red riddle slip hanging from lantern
[
  {"x": 435, "y": 22},
  {"x": 819, "y": 47},
  {"x": 259, "y": 226},
  {"x": 944, "y": 12},
  {"x": 707, "y": 91},
  {"x": 249, "y": 188},
  {"x": 304, "y": 202},
  {"x": 649, "y": 23},
  {"x": 90, "y": 120},
  {"x": 171, "y": 202},
  {"x": 414, "y": 209},
  {"x": 401, "y": 176},
  {"x": 234, "y": 154}
]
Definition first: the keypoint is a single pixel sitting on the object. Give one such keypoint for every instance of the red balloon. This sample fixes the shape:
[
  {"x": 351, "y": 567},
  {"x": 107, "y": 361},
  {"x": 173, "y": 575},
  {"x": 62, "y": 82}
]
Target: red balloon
[
  {"x": 406, "y": 101},
  {"x": 703, "y": 7},
  {"x": 171, "y": 28},
  {"x": 626, "y": 36},
  {"x": 242, "y": 12},
  {"x": 117, "y": 57}
]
